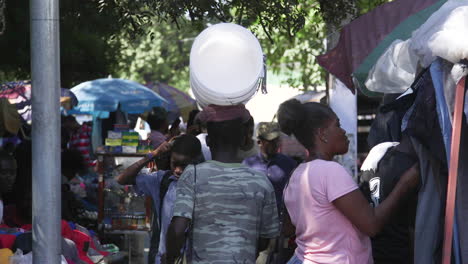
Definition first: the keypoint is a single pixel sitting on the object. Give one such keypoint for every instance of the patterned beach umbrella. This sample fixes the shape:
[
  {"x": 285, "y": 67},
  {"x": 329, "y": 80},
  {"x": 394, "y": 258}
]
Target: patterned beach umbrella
[
  {"x": 179, "y": 103},
  {"x": 18, "y": 93}
]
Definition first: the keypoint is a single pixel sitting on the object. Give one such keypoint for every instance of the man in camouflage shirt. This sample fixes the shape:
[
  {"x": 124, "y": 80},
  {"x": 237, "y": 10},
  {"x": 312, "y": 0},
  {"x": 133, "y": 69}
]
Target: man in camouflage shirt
[{"x": 229, "y": 206}]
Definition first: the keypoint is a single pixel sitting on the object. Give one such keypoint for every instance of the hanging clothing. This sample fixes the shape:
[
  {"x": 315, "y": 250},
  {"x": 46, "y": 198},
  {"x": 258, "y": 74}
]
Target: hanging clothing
[
  {"x": 81, "y": 141},
  {"x": 417, "y": 117},
  {"x": 423, "y": 122},
  {"x": 430, "y": 209},
  {"x": 443, "y": 82},
  {"x": 422, "y": 125},
  {"x": 387, "y": 124},
  {"x": 380, "y": 173}
]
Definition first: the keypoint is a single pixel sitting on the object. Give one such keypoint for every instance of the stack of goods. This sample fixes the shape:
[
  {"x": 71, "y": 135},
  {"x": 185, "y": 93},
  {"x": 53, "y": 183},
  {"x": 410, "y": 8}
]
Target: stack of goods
[
  {"x": 144, "y": 146},
  {"x": 114, "y": 142},
  {"x": 121, "y": 140},
  {"x": 129, "y": 142}
]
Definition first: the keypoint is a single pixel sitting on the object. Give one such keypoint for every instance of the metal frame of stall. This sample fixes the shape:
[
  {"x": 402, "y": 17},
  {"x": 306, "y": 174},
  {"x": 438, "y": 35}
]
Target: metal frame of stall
[{"x": 453, "y": 170}]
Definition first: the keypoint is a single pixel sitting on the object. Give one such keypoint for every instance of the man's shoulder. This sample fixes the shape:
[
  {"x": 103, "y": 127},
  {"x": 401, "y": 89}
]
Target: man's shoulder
[
  {"x": 285, "y": 161},
  {"x": 227, "y": 169},
  {"x": 285, "y": 158},
  {"x": 219, "y": 166},
  {"x": 251, "y": 160}
]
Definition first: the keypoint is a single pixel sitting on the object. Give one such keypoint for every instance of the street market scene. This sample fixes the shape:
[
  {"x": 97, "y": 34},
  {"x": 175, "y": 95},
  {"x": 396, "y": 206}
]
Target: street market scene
[{"x": 267, "y": 132}]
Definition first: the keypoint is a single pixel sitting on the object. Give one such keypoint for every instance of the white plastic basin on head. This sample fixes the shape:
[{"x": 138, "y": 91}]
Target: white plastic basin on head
[
  {"x": 205, "y": 98},
  {"x": 226, "y": 61}
]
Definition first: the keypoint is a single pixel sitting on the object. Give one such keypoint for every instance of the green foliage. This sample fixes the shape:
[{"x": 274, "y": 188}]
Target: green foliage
[
  {"x": 150, "y": 40},
  {"x": 294, "y": 57},
  {"x": 282, "y": 15},
  {"x": 84, "y": 48},
  {"x": 335, "y": 12},
  {"x": 160, "y": 55},
  {"x": 291, "y": 33},
  {"x": 367, "y": 5}
]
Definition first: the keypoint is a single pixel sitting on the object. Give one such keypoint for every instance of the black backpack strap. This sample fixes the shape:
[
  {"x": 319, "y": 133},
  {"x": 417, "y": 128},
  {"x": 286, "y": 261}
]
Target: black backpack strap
[
  {"x": 274, "y": 255},
  {"x": 164, "y": 187}
]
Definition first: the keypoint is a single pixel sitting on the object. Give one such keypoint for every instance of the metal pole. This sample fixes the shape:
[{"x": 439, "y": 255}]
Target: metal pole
[
  {"x": 45, "y": 71},
  {"x": 453, "y": 171}
]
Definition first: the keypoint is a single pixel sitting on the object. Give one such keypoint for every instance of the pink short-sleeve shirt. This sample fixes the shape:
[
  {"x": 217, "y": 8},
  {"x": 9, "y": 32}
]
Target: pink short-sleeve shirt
[{"x": 323, "y": 233}]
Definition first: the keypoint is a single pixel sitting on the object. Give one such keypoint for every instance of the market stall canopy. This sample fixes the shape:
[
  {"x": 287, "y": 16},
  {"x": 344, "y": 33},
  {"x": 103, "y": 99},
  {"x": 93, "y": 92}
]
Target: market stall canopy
[
  {"x": 365, "y": 39},
  {"x": 19, "y": 94},
  {"x": 179, "y": 103},
  {"x": 106, "y": 95}
]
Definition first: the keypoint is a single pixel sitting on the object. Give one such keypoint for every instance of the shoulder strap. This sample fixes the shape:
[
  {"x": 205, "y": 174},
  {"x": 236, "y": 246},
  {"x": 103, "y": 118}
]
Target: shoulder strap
[
  {"x": 188, "y": 247},
  {"x": 285, "y": 224},
  {"x": 165, "y": 182}
]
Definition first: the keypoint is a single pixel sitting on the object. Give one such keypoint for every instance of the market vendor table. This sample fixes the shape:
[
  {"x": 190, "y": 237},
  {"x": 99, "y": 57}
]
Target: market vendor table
[
  {"x": 101, "y": 186},
  {"x": 135, "y": 241}
]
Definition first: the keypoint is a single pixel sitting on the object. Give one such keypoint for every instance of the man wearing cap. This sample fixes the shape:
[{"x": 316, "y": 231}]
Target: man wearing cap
[
  {"x": 229, "y": 206},
  {"x": 276, "y": 166}
]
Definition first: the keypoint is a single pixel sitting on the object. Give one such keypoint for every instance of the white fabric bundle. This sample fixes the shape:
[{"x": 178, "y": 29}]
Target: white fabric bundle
[
  {"x": 395, "y": 70},
  {"x": 444, "y": 34}
]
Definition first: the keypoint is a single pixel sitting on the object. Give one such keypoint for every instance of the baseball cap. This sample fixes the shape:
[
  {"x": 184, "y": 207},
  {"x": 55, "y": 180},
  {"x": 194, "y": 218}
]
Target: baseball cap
[{"x": 268, "y": 130}]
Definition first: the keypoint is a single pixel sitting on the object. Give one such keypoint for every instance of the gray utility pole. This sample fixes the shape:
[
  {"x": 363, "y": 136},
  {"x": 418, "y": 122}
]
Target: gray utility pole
[{"x": 45, "y": 70}]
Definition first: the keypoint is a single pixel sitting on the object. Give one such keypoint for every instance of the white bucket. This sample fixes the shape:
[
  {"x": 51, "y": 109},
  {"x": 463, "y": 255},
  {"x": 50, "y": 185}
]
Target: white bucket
[{"x": 226, "y": 64}]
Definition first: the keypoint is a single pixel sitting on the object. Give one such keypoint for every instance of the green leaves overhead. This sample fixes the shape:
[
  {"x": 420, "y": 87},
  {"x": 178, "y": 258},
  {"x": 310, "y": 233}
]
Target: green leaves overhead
[
  {"x": 151, "y": 39},
  {"x": 291, "y": 32}
]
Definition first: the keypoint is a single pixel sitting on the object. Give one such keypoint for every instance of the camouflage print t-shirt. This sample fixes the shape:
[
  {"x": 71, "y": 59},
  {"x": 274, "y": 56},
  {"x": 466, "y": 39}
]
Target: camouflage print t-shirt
[{"x": 234, "y": 206}]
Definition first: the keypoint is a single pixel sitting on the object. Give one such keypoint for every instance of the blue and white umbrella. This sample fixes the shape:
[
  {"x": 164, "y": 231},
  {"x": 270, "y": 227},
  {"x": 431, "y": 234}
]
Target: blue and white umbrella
[{"x": 107, "y": 95}]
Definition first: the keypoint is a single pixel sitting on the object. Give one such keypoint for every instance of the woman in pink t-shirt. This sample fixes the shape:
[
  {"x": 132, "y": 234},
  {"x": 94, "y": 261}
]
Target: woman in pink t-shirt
[{"x": 332, "y": 218}]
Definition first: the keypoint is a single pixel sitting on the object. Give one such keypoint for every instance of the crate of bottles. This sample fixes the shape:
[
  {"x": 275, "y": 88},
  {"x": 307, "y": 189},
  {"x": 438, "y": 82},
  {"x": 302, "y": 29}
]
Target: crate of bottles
[{"x": 125, "y": 209}]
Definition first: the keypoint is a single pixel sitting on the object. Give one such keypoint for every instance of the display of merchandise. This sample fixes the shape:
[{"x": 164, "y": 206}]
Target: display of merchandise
[{"x": 124, "y": 209}]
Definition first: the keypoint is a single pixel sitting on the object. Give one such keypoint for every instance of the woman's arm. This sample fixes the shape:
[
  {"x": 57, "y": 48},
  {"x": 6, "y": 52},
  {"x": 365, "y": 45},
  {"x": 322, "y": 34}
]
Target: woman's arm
[{"x": 370, "y": 220}]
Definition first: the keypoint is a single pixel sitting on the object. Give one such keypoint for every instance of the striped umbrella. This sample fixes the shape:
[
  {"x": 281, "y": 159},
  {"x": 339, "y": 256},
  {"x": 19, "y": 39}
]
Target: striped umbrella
[
  {"x": 19, "y": 94},
  {"x": 365, "y": 39},
  {"x": 180, "y": 103}
]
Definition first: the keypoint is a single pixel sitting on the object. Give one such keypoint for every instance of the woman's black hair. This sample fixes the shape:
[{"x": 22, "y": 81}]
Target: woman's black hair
[{"x": 303, "y": 120}]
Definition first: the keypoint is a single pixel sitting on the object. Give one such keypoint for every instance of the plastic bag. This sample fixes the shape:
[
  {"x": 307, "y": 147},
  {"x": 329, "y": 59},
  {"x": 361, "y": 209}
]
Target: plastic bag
[
  {"x": 395, "y": 70},
  {"x": 19, "y": 258},
  {"x": 443, "y": 35}
]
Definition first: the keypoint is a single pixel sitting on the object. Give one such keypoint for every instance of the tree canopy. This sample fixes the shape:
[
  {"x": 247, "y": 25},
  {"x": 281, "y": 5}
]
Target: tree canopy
[{"x": 151, "y": 40}]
